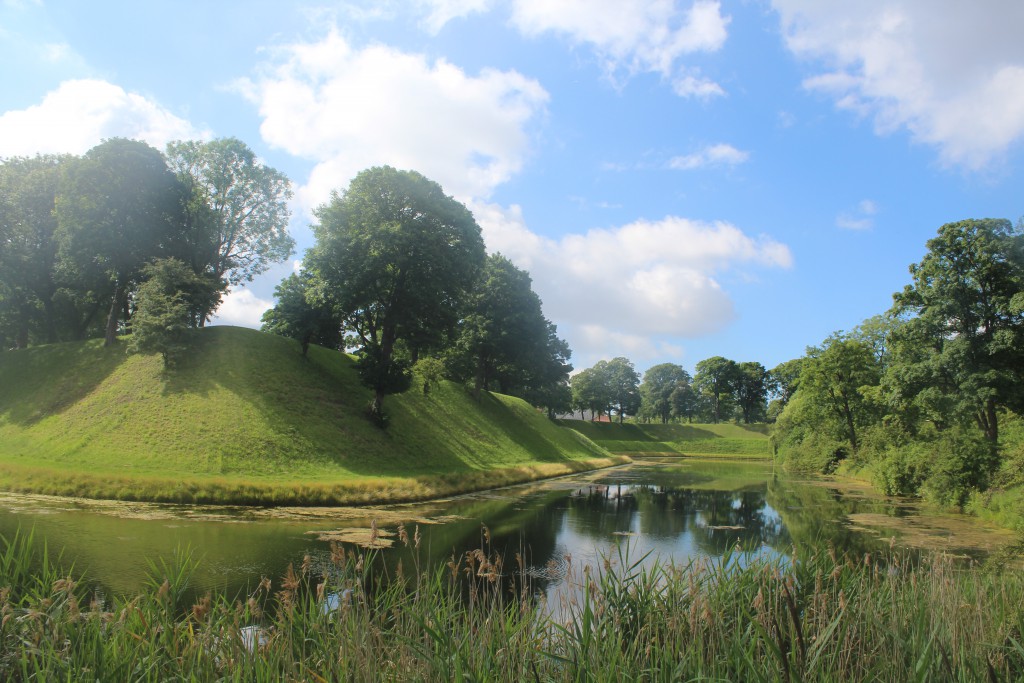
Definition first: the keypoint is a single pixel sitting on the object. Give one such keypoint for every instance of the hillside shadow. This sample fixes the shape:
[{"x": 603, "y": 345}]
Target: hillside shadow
[
  {"x": 315, "y": 403},
  {"x": 545, "y": 449},
  {"x": 47, "y": 380}
]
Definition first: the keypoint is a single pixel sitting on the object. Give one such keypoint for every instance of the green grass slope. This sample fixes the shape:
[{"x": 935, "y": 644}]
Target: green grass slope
[
  {"x": 710, "y": 440},
  {"x": 247, "y": 419}
]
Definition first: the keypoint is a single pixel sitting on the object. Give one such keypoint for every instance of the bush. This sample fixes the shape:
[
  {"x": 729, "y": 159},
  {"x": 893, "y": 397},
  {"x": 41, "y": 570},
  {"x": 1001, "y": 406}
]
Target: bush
[{"x": 942, "y": 467}]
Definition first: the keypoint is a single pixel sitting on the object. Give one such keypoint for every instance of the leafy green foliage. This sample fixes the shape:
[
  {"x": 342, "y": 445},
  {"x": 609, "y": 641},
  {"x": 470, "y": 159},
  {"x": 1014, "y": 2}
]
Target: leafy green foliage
[
  {"x": 29, "y": 284},
  {"x": 395, "y": 258},
  {"x": 751, "y": 391},
  {"x": 118, "y": 207},
  {"x": 608, "y": 385},
  {"x": 715, "y": 379},
  {"x": 238, "y": 213},
  {"x": 824, "y": 419},
  {"x": 959, "y": 354},
  {"x": 660, "y": 383},
  {"x": 172, "y": 300},
  {"x": 505, "y": 340},
  {"x": 295, "y": 316}
]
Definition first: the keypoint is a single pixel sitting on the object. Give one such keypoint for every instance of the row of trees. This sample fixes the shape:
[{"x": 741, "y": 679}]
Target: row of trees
[
  {"x": 399, "y": 275},
  {"x": 918, "y": 394},
  {"x": 721, "y": 389},
  {"x": 79, "y": 236}
]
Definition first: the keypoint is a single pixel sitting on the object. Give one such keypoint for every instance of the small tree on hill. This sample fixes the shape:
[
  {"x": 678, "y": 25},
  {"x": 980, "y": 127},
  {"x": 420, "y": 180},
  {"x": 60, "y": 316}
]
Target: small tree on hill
[{"x": 172, "y": 300}]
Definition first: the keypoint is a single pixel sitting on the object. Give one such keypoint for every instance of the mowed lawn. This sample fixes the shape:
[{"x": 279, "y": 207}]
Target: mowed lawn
[
  {"x": 247, "y": 419},
  {"x": 708, "y": 440}
]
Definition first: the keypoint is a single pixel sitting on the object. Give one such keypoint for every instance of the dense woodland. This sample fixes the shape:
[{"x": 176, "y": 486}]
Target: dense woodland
[{"x": 130, "y": 240}]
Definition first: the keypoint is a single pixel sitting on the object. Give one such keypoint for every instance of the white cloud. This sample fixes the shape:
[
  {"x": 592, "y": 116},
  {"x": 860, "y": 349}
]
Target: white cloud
[
  {"x": 713, "y": 155},
  {"x": 861, "y": 219},
  {"x": 951, "y": 73},
  {"x": 642, "y": 281},
  {"x": 241, "y": 307},
  {"x": 79, "y": 114},
  {"x": 596, "y": 342},
  {"x": 634, "y": 35},
  {"x": 440, "y": 12},
  {"x": 348, "y": 109}
]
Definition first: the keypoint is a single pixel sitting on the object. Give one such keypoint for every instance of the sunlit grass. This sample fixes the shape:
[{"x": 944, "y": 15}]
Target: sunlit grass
[
  {"x": 703, "y": 440},
  {"x": 247, "y": 419}
]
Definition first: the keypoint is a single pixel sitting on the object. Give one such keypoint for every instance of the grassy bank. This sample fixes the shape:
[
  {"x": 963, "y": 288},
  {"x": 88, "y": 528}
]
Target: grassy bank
[
  {"x": 246, "y": 419},
  {"x": 814, "y": 617},
  {"x": 704, "y": 440}
]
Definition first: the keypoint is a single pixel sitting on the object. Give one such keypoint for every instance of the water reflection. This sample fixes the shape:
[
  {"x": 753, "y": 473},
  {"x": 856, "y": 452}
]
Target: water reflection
[{"x": 676, "y": 511}]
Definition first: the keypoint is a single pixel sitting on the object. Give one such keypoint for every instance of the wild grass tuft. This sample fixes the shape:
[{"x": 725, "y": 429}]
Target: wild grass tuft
[{"x": 815, "y": 616}]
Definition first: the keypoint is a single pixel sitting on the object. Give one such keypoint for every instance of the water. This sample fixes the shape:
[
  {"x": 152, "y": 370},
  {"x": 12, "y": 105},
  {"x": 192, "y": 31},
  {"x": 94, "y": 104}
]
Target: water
[{"x": 674, "y": 510}]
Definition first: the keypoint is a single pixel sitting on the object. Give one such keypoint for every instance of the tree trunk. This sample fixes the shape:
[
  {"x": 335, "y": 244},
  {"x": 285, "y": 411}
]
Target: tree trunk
[
  {"x": 988, "y": 420},
  {"x": 51, "y": 321},
  {"x": 480, "y": 379},
  {"x": 112, "y": 318}
]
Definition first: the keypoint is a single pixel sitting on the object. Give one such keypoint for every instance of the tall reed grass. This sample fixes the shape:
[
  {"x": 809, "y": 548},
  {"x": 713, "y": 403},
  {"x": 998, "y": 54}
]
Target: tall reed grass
[{"x": 815, "y": 616}]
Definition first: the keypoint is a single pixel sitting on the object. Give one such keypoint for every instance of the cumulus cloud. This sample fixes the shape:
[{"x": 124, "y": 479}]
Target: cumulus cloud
[
  {"x": 350, "y": 108},
  {"x": 638, "y": 285},
  {"x": 950, "y": 73},
  {"x": 440, "y": 12},
  {"x": 634, "y": 35},
  {"x": 861, "y": 219},
  {"x": 241, "y": 307},
  {"x": 80, "y": 113},
  {"x": 712, "y": 155}
]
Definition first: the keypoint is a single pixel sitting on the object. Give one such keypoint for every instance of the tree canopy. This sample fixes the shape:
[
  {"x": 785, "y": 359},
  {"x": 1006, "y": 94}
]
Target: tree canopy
[
  {"x": 660, "y": 382},
  {"x": 118, "y": 207},
  {"x": 237, "y": 208},
  {"x": 395, "y": 258},
  {"x": 959, "y": 353},
  {"x": 715, "y": 378},
  {"x": 77, "y": 233}
]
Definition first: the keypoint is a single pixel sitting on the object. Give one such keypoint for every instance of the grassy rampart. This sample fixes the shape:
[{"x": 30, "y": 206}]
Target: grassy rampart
[
  {"x": 247, "y": 419},
  {"x": 704, "y": 440}
]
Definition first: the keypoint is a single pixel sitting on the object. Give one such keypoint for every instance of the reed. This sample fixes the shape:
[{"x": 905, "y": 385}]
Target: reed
[{"x": 813, "y": 616}]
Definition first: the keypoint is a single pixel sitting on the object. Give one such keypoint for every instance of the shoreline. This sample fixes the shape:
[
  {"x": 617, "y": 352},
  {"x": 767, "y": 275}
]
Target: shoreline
[{"x": 219, "y": 491}]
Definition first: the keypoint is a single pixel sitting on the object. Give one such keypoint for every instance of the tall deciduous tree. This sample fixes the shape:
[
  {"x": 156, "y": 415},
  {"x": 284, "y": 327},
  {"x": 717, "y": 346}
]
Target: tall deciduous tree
[
  {"x": 835, "y": 381},
  {"x": 28, "y": 251},
  {"x": 659, "y": 383},
  {"x": 118, "y": 207},
  {"x": 395, "y": 257},
  {"x": 590, "y": 391},
  {"x": 623, "y": 382},
  {"x": 684, "y": 401},
  {"x": 295, "y": 316},
  {"x": 506, "y": 340},
  {"x": 715, "y": 378},
  {"x": 783, "y": 381},
  {"x": 751, "y": 391},
  {"x": 960, "y": 351},
  {"x": 237, "y": 215}
]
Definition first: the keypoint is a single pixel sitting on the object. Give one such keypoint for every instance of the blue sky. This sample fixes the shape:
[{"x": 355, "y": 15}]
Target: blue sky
[{"x": 681, "y": 179}]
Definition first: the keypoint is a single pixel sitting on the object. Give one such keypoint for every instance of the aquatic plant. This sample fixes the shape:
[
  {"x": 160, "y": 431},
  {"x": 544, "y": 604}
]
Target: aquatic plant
[{"x": 816, "y": 615}]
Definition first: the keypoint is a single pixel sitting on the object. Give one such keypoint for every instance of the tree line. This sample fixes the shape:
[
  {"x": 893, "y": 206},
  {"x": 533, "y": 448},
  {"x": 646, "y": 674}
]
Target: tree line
[
  {"x": 719, "y": 390},
  {"x": 917, "y": 395},
  {"x": 126, "y": 238}
]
